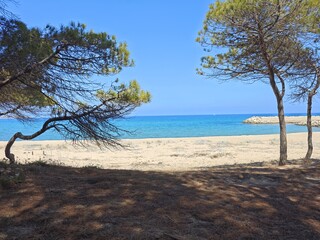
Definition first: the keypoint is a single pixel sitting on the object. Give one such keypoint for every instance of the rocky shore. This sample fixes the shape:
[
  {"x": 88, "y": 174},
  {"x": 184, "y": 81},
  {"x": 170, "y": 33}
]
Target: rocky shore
[{"x": 297, "y": 120}]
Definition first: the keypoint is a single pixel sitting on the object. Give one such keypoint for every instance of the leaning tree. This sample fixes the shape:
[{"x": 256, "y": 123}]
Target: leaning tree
[
  {"x": 61, "y": 73},
  {"x": 257, "y": 41}
]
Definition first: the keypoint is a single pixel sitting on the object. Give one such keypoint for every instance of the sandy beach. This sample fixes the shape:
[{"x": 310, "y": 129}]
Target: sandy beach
[{"x": 168, "y": 154}]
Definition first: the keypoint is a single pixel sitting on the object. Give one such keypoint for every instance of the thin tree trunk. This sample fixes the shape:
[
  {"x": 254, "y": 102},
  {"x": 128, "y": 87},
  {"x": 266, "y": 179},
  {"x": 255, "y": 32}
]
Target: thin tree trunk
[
  {"x": 309, "y": 116},
  {"x": 279, "y": 96},
  {"x": 283, "y": 133},
  {"x": 282, "y": 122},
  {"x": 309, "y": 127}
]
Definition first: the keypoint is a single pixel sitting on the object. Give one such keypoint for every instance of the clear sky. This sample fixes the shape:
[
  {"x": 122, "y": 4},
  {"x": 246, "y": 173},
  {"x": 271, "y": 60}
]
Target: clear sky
[{"x": 161, "y": 38}]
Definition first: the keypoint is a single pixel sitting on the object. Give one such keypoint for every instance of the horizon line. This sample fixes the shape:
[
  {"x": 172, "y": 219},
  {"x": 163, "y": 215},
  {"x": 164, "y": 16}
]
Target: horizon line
[{"x": 182, "y": 115}]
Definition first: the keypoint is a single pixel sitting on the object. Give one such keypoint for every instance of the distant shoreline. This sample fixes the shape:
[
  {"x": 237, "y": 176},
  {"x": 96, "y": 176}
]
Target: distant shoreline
[
  {"x": 187, "y": 115},
  {"x": 297, "y": 120},
  {"x": 165, "y": 127}
]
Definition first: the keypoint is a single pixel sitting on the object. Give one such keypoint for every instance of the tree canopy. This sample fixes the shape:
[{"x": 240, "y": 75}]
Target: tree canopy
[
  {"x": 249, "y": 34},
  {"x": 20, "y": 46},
  {"x": 258, "y": 40},
  {"x": 59, "y": 70}
]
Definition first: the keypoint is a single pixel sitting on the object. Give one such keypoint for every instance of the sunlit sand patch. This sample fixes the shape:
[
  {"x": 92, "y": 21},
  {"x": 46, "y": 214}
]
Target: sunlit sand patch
[{"x": 174, "y": 154}]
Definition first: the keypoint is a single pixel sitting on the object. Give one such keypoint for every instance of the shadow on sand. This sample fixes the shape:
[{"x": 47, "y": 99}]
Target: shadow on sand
[{"x": 244, "y": 202}]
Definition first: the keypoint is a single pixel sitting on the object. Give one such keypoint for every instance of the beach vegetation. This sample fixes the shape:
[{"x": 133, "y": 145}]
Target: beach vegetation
[
  {"x": 257, "y": 41},
  {"x": 59, "y": 72},
  {"x": 40, "y": 163},
  {"x": 10, "y": 175}
]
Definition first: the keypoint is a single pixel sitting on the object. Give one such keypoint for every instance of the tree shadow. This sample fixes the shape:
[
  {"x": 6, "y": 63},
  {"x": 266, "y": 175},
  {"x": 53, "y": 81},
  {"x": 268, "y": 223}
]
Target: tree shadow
[{"x": 251, "y": 202}]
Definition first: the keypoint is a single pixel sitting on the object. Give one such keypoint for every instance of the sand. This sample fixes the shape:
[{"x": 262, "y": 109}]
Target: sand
[{"x": 169, "y": 154}]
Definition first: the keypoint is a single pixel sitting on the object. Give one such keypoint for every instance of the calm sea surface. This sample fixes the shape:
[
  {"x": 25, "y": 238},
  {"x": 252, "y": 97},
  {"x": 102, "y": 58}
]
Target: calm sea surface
[{"x": 165, "y": 127}]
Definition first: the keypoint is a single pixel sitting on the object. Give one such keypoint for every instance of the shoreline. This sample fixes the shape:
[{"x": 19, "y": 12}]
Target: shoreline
[
  {"x": 166, "y": 154},
  {"x": 163, "y": 127},
  {"x": 166, "y": 138}
]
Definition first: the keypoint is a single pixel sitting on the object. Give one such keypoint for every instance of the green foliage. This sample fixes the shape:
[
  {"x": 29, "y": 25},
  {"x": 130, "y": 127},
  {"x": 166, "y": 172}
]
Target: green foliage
[
  {"x": 311, "y": 16},
  {"x": 19, "y": 47},
  {"x": 260, "y": 40},
  {"x": 60, "y": 64},
  {"x": 55, "y": 69},
  {"x": 102, "y": 44},
  {"x": 251, "y": 36},
  {"x": 122, "y": 93}
]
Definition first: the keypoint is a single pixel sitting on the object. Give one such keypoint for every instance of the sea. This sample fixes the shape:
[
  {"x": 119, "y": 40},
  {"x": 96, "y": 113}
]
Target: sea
[{"x": 165, "y": 126}]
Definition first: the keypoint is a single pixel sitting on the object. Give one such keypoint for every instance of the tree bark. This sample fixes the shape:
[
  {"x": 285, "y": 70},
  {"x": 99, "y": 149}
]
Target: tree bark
[
  {"x": 282, "y": 122},
  {"x": 309, "y": 116},
  {"x": 278, "y": 94},
  {"x": 309, "y": 127},
  {"x": 19, "y": 135},
  {"x": 7, "y": 150},
  {"x": 283, "y": 133}
]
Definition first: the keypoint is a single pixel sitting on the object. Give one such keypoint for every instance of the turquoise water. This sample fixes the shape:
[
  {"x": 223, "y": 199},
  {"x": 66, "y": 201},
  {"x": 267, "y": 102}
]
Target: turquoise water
[{"x": 165, "y": 127}]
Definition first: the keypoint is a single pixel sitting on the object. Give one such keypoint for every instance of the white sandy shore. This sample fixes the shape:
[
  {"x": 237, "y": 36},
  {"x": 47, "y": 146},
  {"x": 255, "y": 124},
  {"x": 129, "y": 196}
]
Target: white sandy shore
[
  {"x": 298, "y": 120},
  {"x": 172, "y": 154}
]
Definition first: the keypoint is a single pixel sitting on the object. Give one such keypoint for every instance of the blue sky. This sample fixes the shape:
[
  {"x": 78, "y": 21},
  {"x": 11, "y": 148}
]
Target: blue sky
[{"x": 161, "y": 38}]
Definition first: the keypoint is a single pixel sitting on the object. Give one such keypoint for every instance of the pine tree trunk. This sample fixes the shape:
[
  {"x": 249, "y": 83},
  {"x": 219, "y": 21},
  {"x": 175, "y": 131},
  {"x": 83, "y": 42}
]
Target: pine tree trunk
[
  {"x": 309, "y": 116},
  {"x": 309, "y": 127},
  {"x": 7, "y": 150},
  {"x": 283, "y": 133},
  {"x": 279, "y": 94},
  {"x": 19, "y": 135},
  {"x": 282, "y": 122}
]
